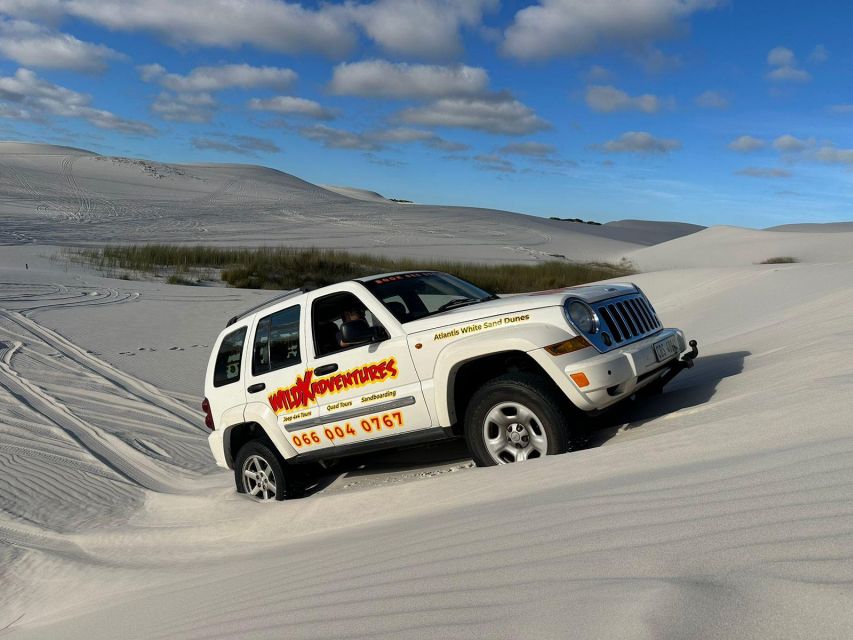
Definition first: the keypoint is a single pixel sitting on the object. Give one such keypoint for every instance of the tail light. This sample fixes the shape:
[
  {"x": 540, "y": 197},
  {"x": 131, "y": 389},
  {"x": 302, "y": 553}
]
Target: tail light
[{"x": 208, "y": 416}]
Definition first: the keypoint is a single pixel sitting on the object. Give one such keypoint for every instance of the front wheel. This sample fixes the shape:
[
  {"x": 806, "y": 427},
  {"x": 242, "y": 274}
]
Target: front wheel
[{"x": 516, "y": 417}]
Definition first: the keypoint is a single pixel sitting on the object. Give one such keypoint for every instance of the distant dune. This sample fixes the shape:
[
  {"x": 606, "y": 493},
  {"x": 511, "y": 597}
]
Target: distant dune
[
  {"x": 735, "y": 246},
  {"x": 63, "y": 196},
  {"x": 827, "y": 227},
  {"x": 356, "y": 194}
]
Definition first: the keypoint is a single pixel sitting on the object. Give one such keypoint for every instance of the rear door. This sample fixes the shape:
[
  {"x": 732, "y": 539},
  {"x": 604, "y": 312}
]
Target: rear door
[
  {"x": 277, "y": 375},
  {"x": 363, "y": 392},
  {"x": 224, "y": 386}
]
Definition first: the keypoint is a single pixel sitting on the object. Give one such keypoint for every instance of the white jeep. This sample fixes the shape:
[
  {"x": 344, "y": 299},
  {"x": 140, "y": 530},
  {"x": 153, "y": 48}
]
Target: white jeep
[{"x": 404, "y": 358}]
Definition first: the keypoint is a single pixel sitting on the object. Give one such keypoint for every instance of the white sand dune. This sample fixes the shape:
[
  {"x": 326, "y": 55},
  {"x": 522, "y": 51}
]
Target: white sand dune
[
  {"x": 718, "y": 510},
  {"x": 825, "y": 227},
  {"x": 734, "y": 246},
  {"x": 61, "y": 196},
  {"x": 355, "y": 193}
]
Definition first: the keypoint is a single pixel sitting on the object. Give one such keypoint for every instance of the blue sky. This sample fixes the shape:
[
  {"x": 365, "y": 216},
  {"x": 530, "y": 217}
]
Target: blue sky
[{"x": 703, "y": 111}]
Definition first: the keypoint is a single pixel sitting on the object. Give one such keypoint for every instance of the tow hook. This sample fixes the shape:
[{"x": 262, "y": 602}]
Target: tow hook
[{"x": 690, "y": 356}]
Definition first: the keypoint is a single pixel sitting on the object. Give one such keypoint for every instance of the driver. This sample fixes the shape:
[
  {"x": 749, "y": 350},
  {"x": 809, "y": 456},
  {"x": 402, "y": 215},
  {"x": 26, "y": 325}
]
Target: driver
[{"x": 349, "y": 315}]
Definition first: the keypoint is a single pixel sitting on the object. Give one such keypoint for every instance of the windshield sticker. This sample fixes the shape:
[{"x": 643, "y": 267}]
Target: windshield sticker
[
  {"x": 479, "y": 326},
  {"x": 306, "y": 389},
  {"x": 401, "y": 276}
]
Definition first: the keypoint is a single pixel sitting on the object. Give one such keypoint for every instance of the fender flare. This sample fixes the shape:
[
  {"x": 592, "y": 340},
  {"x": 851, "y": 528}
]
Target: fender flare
[
  {"x": 262, "y": 415},
  {"x": 458, "y": 352}
]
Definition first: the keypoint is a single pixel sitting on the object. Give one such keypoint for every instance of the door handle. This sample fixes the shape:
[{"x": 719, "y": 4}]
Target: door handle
[
  {"x": 326, "y": 369},
  {"x": 260, "y": 386}
]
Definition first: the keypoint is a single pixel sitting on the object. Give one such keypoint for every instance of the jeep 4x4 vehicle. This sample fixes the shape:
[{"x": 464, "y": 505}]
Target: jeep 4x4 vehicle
[{"x": 404, "y": 358}]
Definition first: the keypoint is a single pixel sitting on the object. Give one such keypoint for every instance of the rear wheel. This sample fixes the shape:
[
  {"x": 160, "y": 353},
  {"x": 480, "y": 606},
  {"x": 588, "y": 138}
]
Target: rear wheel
[
  {"x": 262, "y": 475},
  {"x": 516, "y": 417}
]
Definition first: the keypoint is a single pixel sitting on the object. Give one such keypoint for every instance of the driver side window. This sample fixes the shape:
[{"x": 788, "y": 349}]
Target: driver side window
[{"x": 329, "y": 313}]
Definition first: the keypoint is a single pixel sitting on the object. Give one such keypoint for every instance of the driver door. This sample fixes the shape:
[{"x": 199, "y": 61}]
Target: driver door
[{"x": 364, "y": 392}]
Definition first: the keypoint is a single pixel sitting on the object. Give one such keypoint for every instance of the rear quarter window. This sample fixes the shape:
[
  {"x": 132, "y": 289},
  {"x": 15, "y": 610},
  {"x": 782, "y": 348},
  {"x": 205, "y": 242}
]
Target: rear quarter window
[{"x": 229, "y": 359}]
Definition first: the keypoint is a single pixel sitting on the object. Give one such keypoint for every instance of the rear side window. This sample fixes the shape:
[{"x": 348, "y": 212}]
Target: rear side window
[
  {"x": 276, "y": 342},
  {"x": 227, "y": 369}
]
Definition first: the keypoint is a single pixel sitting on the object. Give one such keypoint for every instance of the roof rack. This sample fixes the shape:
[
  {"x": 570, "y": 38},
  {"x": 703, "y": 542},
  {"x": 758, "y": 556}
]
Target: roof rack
[{"x": 266, "y": 303}]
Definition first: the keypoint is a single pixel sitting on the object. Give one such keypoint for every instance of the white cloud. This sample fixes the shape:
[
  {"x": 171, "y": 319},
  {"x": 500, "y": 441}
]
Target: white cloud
[
  {"x": 494, "y": 162},
  {"x": 382, "y": 79},
  {"x": 745, "y": 144},
  {"x": 597, "y": 73},
  {"x": 498, "y": 113},
  {"x": 530, "y": 149},
  {"x": 786, "y": 67},
  {"x": 608, "y": 99},
  {"x": 27, "y": 94},
  {"x": 406, "y": 135},
  {"x": 790, "y": 143},
  {"x": 338, "y": 138},
  {"x": 789, "y": 74},
  {"x": 841, "y": 108},
  {"x": 270, "y": 24},
  {"x": 243, "y": 145},
  {"x": 830, "y": 154},
  {"x": 292, "y": 106},
  {"x": 781, "y": 57},
  {"x": 185, "y": 107},
  {"x": 377, "y": 140},
  {"x": 151, "y": 72},
  {"x": 229, "y": 76},
  {"x": 653, "y": 60},
  {"x": 420, "y": 28},
  {"x": 572, "y": 27},
  {"x": 640, "y": 142},
  {"x": 37, "y": 46},
  {"x": 764, "y": 172},
  {"x": 819, "y": 54},
  {"x": 712, "y": 100},
  {"x": 45, "y": 10}
]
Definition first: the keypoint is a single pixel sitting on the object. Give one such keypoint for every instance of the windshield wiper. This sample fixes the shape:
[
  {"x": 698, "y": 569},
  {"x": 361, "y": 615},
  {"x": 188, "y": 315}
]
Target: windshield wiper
[{"x": 462, "y": 302}]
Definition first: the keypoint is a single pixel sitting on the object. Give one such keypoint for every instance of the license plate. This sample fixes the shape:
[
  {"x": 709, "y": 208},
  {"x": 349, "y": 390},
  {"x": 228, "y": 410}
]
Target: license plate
[{"x": 666, "y": 348}]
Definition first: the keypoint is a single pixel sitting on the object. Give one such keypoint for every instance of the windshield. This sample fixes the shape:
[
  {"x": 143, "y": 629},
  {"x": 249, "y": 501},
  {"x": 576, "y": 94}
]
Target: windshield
[{"x": 411, "y": 296}]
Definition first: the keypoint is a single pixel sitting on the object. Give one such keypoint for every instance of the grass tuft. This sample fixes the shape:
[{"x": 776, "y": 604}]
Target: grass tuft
[{"x": 289, "y": 268}]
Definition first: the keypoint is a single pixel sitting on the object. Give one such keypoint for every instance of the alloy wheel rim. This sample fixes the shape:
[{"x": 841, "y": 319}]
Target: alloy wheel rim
[
  {"x": 513, "y": 433},
  {"x": 259, "y": 479}
]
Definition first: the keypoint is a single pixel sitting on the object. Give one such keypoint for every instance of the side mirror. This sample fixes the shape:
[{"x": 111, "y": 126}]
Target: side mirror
[{"x": 357, "y": 332}]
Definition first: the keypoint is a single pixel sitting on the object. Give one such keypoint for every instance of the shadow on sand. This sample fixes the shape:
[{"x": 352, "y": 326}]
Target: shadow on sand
[{"x": 693, "y": 387}]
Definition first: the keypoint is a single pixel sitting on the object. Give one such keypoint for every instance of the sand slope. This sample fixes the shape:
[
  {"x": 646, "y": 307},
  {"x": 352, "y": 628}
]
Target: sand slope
[
  {"x": 719, "y": 510},
  {"x": 61, "y": 196},
  {"x": 734, "y": 246}
]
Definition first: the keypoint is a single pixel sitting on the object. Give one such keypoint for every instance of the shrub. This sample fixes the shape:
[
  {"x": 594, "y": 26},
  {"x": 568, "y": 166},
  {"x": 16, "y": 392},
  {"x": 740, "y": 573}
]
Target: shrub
[{"x": 288, "y": 268}]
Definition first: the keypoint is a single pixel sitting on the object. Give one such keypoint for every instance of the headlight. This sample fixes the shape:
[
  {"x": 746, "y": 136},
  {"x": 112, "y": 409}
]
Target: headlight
[{"x": 583, "y": 317}]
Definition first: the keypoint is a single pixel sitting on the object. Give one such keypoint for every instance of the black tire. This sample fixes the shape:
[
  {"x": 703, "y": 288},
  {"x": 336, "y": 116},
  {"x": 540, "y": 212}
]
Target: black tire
[
  {"x": 520, "y": 389},
  {"x": 255, "y": 454}
]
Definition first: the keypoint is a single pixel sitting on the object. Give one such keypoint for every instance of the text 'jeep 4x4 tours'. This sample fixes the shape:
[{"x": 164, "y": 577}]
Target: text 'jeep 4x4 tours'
[{"x": 404, "y": 358}]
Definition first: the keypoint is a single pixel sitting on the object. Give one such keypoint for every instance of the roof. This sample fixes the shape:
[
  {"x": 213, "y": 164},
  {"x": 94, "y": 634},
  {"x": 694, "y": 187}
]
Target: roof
[{"x": 392, "y": 274}]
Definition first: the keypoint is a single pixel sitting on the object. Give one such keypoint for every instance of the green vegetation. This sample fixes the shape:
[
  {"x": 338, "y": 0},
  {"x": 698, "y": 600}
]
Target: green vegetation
[
  {"x": 575, "y": 220},
  {"x": 287, "y": 268},
  {"x": 779, "y": 260},
  {"x": 176, "y": 278}
]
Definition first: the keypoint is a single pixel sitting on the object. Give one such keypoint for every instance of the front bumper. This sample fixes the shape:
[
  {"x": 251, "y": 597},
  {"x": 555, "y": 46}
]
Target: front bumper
[{"x": 610, "y": 377}]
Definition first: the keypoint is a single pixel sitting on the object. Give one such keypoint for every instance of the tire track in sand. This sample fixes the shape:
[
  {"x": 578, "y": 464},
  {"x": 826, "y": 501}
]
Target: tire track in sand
[
  {"x": 142, "y": 390},
  {"x": 110, "y": 450}
]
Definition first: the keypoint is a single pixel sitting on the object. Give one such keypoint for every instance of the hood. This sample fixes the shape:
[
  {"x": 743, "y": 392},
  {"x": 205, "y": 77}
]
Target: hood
[{"x": 518, "y": 302}]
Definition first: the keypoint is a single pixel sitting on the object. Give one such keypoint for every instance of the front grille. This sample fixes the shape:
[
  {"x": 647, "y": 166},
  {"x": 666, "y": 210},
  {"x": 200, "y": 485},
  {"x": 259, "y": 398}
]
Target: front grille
[{"x": 628, "y": 318}]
